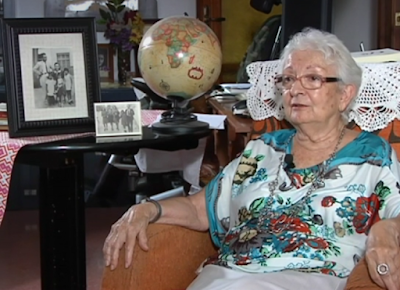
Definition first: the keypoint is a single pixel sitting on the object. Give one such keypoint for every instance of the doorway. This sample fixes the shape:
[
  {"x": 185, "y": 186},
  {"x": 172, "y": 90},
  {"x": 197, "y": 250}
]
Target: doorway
[{"x": 389, "y": 24}]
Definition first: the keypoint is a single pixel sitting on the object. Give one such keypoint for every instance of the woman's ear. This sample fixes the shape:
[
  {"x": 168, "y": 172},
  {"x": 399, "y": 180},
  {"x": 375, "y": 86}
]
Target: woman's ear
[{"x": 348, "y": 93}]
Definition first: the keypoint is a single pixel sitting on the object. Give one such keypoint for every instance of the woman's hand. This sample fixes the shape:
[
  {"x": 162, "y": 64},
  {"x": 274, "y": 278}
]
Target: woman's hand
[
  {"x": 131, "y": 226},
  {"x": 383, "y": 251},
  {"x": 189, "y": 212}
]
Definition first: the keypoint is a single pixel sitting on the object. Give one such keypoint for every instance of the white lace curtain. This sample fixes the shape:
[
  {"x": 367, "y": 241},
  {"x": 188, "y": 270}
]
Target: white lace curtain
[{"x": 377, "y": 104}]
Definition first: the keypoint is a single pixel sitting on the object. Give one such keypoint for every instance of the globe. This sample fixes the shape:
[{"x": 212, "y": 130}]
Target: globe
[{"x": 180, "y": 58}]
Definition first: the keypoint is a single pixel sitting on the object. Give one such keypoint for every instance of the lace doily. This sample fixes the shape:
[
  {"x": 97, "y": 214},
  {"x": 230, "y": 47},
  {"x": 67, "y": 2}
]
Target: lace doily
[{"x": 377, "y": 103}]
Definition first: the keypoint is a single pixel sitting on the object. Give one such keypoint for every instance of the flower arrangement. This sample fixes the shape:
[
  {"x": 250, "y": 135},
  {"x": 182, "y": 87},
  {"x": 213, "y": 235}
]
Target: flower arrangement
[{"x": 124, "y": 27}]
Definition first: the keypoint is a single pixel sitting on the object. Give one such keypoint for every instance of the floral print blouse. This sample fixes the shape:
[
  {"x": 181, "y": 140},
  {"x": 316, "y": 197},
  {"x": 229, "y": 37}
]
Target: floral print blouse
[{"x": 329, "y": 231}]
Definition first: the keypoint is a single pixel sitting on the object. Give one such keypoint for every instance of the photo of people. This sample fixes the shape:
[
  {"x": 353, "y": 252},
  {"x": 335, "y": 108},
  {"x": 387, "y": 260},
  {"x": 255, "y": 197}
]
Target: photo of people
[
  {"x": 105, "y": 62},
  {"x": 53, "y": 80},
  {"x": 102, "y": 59},
  {"x": 118, "y": 118}
]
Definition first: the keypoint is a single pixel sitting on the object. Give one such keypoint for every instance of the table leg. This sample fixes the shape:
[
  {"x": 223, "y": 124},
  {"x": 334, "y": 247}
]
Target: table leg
[
  {"x": 221, "y": 147},
  {"x": 62, "y": 226}
]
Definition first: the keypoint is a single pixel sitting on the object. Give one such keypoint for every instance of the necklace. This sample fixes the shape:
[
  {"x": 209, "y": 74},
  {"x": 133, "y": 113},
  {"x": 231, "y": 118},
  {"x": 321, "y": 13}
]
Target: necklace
[{"x": 295, "y": 209}]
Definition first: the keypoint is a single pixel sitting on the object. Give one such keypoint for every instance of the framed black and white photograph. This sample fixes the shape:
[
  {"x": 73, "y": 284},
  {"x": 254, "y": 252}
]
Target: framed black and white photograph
[
  {"x": 51, "y": 74},
  {"x": 53, "y": 78},
  {"x": 118, "y": 119},
  {"x": 105, "y": 62}
]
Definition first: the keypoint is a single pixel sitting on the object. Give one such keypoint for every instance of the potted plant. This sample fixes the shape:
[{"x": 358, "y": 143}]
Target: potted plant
[{"x": 124, "y": 29}]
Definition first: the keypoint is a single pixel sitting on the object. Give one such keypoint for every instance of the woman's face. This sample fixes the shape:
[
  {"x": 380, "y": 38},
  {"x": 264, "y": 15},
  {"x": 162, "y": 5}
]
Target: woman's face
[
  {"x": 101, "y": 59},
  {"x": 313, "y": 105}
]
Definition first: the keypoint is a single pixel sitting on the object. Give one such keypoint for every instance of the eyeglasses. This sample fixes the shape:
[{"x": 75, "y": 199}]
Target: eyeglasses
[{"x": 308, "y": 81}]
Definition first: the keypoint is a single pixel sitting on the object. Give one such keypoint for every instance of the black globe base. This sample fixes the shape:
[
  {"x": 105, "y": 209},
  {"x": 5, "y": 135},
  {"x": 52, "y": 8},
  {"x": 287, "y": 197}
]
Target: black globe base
[
  {"x": 180, "y": 128},
  {"x": 179, "y": 120}
]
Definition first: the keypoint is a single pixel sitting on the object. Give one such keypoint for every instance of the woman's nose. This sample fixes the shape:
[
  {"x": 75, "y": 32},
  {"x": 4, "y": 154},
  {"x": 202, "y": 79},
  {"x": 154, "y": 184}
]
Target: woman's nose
[{"x": 296, "y": 88}]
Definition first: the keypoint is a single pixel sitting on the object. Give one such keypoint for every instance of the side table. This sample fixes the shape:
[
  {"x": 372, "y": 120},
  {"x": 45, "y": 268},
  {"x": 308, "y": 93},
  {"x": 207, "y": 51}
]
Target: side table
[
  {"x": 230, "y": 142},
  {"x": 61, "y": 198}
]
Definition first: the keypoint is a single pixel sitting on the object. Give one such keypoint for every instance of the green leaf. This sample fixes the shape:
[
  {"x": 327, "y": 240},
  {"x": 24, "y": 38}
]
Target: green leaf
[
  {"x": 385, "y": 191},
  {"x": 259, "y": 157},
  {"x": 247, "y": 153},
  {"x": 257, "y": 205},
  {"x": 313, "y": 228},
  {"x": 120, "y": 8},
  {"x": 329, "y": 265},
  {"x": 111, "y": 7},
  {"x": 280, "y": 199},
  {"x": 105, "y": 14},
  {"x": 378, "y": 186},
  {"x": 102, "y": 21}
]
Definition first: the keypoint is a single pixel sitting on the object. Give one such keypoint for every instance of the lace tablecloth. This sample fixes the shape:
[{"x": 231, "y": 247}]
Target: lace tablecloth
[
  {"x": 10, "y": 147},
  {"x": 376, "y": 105}
]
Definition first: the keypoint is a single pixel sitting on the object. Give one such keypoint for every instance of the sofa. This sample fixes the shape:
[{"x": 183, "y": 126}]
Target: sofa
[{"x": 175, "y": 252}]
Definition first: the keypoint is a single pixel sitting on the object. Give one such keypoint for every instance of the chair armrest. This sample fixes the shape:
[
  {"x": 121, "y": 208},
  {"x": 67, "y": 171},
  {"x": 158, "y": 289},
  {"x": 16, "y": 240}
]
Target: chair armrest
[
  {"x": 174, "y": 256},
  {"x": 359, "y": 278}
]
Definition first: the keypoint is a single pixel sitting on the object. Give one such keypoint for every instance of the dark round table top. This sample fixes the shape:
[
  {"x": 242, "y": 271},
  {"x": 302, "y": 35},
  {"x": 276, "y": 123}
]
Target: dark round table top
[{"x": 118, "y": 144}]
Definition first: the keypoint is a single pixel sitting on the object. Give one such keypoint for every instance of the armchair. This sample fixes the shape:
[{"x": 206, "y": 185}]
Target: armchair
[{"x": 175, "y": 253}]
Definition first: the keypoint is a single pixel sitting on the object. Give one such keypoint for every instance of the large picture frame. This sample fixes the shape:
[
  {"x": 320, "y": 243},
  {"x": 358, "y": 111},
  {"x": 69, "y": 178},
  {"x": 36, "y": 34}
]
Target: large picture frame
[{"x": 51, "y": 75}]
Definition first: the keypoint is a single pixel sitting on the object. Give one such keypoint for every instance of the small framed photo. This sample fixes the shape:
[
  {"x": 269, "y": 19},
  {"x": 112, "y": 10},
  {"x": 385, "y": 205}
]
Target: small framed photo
[
  {"x": 118, "y": 119},
  {"x": 51, "y": 75},
  {"x": 105, "y": 56}
]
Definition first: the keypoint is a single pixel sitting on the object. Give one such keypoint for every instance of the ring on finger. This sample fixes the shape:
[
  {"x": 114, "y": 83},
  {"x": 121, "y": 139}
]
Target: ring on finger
[{"x": 382, "y": 269}]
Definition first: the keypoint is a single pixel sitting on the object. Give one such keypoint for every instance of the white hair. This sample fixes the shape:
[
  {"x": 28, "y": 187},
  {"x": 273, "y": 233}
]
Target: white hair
[{"x": 334, "y": 51}]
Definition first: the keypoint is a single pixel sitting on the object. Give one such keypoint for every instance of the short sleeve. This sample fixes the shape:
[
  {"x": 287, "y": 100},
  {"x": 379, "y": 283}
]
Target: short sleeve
[{"x": 218, "y": 201}]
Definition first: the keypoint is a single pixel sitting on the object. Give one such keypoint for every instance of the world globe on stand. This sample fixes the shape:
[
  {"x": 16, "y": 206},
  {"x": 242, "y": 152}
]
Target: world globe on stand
[{"x": 180, "y": 58}]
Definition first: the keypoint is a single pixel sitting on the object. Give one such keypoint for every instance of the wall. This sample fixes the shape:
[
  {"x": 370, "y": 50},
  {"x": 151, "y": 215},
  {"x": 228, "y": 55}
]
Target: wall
[
  {"x": 34, "y": 8},
  {"x": 176, "y": 7},
  {"x": 9, "y": 8},
  {"x": 355, "y": 21},
  {"x": 242, "y": 23},
  {"x": 28, "y": 8}
]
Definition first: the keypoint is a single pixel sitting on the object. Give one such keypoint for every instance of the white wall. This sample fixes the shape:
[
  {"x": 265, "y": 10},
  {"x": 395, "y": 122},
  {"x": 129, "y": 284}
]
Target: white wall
[
  {"x": 176, "y": 7},
  {"x": 29, "y": 8},
  {"x": 355, "y": 21}
]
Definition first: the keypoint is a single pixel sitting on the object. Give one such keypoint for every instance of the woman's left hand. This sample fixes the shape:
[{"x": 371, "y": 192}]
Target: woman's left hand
[{"x": 383, "y": 254}]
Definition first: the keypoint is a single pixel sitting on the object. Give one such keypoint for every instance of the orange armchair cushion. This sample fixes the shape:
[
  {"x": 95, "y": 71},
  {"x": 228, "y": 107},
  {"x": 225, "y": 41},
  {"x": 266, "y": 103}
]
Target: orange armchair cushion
[{"x": 171, "y": 263}]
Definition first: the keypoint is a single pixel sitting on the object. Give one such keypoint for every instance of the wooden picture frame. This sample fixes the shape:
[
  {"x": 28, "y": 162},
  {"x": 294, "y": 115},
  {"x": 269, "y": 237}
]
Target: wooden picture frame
[
  {"x": 51, "y": 75},
  {"x": 105, "y": 56}
]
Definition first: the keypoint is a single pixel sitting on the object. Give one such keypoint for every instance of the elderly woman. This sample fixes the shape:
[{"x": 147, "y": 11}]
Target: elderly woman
[{"x": 299, "y": 207}]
